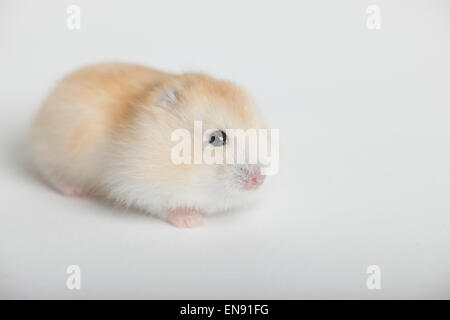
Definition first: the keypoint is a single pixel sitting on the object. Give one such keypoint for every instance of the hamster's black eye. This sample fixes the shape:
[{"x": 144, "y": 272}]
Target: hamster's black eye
[{"x": 218, "y": 138}]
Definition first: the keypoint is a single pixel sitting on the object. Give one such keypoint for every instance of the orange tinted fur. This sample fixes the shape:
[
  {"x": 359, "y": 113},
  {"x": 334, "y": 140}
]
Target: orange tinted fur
[{"x": 109, "y": 126}]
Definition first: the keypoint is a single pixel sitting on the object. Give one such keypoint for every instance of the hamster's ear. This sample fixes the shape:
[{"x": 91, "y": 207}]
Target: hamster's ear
[{"x": 168, "y": 96}]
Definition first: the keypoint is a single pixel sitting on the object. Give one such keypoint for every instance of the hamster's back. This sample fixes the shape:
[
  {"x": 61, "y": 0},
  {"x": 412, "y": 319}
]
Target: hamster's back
[{"x": 78, "y": 117}]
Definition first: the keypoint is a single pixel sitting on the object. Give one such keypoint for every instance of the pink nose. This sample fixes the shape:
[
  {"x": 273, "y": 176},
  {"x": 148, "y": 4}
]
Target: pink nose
[{"x": 255, "y": 179}]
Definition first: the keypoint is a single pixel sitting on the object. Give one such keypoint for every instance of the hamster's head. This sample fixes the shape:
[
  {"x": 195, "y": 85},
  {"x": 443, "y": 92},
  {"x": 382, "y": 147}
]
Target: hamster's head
[{"x": 195, "y": 145}]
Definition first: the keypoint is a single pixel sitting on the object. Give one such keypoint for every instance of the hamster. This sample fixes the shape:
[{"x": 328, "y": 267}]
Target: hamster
[{"x": 107, "y": 129}]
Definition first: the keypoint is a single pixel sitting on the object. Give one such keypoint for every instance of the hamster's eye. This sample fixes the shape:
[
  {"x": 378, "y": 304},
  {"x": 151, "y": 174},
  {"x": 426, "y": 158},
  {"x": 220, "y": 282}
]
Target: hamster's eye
[{"x": 218, "y": 138}]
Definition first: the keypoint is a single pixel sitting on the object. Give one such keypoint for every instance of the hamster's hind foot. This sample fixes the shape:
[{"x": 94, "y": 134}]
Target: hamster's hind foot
[
  {"x": 184, "y": 218},
  {"x": 67, "y": 189}
]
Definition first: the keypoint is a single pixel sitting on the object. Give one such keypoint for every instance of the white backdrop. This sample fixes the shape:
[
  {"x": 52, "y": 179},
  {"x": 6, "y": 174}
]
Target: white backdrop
[{"x": 364, "y": 119}]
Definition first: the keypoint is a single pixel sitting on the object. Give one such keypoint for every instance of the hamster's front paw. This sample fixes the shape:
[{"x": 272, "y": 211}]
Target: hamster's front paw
[{"x": 184, "y": 218}]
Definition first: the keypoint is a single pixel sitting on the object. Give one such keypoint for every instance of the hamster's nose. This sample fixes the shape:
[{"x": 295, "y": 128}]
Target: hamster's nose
[
  {"x": 257, "y": 179},
  {"x": 254, "y": 178}
]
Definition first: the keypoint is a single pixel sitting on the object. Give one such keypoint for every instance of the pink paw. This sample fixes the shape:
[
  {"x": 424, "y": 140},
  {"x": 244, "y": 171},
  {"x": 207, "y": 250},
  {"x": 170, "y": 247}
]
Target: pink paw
[
  {"x": 185, "y": 218},
  {"x": 68, "y": 190}
]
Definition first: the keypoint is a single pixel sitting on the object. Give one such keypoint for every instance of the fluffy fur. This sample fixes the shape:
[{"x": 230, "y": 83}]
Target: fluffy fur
[{"x": 107, "y": 128}]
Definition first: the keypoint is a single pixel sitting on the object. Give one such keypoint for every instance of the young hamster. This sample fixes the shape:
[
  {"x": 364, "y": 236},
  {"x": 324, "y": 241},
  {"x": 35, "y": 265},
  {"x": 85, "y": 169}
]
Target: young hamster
[{"x": 107, "y": 128}]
